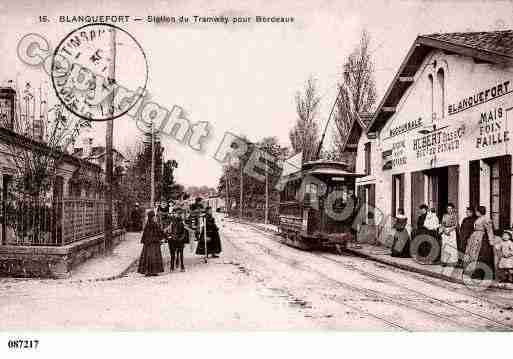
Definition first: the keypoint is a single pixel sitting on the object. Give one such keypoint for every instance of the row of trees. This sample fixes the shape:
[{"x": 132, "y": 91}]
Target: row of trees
[
  {"x": 135, "y": 183},
  {"x": 356, "y": 94}
]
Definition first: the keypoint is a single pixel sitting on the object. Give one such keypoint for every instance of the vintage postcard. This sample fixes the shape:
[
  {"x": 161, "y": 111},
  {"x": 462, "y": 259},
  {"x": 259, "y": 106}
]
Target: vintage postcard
[{"x": 253, "y": 166}]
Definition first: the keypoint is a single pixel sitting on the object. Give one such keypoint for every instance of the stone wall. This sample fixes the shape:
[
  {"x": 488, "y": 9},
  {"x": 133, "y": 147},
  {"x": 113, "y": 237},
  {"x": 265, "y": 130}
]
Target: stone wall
[{"x": 50, "y": 261}]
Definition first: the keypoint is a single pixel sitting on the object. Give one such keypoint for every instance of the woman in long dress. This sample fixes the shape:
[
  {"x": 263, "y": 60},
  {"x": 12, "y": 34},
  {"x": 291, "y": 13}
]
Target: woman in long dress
[
  {"x": 449, "y": 232},
  {"x": 150, "y": 262},
  {"x": 401, "y": 245},
  {"x": 466, "y": 229},
  {"x": 478, "y": 261},
  {"x": 214, "y": 241}
]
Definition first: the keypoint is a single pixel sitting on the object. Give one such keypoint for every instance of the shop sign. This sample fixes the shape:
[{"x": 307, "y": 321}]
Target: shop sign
[
  {"x": 396, "y": 156},
  {"x": 438, "y": 141},
  {"x": 480, "y": 97},
  {"x": 491, "y": 129},
  {"x": 405, "y": 127}
]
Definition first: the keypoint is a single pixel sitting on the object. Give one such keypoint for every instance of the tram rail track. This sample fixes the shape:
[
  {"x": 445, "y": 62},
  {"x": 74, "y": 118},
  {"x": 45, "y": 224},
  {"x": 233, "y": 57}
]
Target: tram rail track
[{"x": 493, "y": 324}]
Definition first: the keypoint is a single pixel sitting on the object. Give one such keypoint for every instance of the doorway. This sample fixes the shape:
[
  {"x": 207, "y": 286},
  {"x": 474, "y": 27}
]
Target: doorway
[{"x": 441, "y": 188}]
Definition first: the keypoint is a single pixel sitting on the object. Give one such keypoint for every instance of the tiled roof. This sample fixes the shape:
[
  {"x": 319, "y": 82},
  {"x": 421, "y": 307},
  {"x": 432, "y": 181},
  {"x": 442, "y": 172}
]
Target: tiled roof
[
  {"x": 495, "y": 47},
  {"x": 498, "y": 42}
]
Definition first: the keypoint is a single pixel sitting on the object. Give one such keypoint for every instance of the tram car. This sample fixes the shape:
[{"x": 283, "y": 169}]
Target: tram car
[{"x": 318, "y": 206}]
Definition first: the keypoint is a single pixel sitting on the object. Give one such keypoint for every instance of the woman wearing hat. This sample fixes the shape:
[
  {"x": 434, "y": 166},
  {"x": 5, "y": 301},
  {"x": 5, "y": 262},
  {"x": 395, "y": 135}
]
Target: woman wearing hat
[
  {"x": 150, "y": 262},
  {"x": 504, "y": 250},
  {"x": 401, "y": 246}
]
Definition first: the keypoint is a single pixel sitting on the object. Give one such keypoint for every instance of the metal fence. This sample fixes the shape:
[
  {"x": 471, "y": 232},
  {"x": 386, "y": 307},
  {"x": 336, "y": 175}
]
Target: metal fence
[{"x": 53, "y": 224}]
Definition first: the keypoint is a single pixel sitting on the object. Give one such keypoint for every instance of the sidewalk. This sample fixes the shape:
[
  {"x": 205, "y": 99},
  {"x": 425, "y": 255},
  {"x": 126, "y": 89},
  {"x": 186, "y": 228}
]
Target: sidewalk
[
  {"x": 382, "y": 255},
  {"x": 113, "y": 265}
]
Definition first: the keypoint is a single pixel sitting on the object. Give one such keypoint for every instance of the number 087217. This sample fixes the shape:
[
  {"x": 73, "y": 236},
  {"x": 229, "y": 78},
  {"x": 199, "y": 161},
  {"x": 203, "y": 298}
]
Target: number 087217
[{"x": 23, "y": 343}]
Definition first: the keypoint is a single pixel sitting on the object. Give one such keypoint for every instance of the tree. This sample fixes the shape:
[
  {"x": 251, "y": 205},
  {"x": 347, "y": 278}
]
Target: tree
[
  {"x": 170, "y": 191},
  {"x": 47, "y": 135},
  {"x": 304, "y": 136},
  {"x": 357, "y": 91},
  {"x": 136, "y": 180},
  {"x": 254, "y": 189}
]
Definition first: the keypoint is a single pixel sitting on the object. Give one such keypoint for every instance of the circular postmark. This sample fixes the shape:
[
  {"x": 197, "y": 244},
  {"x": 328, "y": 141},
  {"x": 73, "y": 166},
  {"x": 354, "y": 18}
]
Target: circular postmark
[{"x": 99, "y": 72}]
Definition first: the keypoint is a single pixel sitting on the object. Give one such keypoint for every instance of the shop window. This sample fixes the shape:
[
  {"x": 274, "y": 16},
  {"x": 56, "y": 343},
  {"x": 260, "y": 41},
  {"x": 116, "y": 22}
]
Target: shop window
[{"x": 367, "y": 150}]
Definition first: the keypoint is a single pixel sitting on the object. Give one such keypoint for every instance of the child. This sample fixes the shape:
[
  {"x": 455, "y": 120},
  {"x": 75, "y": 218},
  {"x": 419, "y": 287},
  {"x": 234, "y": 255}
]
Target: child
[
  {"x": 178, "y": 236},
  {"x": 432, "y": 223},
  {"x": 505, "y": 251}
]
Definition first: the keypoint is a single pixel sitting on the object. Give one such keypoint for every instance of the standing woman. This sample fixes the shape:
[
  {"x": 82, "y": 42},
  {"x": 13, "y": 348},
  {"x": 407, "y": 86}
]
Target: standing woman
[
  {"x": 479, "y": 251},
  {"x": 401, "y": 246},
  {"x": 214, "y": 247},
  {"x": 150, "y": 262},
  {"x": 449, "y": 231},
  {"x": 466, "y": 229}
]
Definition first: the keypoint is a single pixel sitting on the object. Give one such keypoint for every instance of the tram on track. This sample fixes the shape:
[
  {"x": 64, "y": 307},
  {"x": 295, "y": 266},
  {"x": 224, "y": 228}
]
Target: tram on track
[{"x": 318, "y": 206}]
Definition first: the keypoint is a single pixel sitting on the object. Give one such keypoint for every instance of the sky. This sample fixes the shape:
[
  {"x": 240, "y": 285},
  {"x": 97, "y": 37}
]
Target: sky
[{"x": 242, "y": 78}]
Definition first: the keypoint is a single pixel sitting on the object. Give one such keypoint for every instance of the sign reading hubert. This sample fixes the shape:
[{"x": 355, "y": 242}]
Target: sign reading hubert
[
  {"x": 491, "y": 128},
  {"x": 439, "y": 141}
]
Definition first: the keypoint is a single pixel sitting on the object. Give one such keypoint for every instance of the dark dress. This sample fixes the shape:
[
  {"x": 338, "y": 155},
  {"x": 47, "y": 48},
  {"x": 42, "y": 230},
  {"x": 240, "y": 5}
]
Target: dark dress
[
  {"x": 150, "y": 262},
  {"x": 213, "y": 241},
  {"x": 401, "y": 245},
  {"x": 466, "y": 229},
  {"x": 136, "y": 220}
]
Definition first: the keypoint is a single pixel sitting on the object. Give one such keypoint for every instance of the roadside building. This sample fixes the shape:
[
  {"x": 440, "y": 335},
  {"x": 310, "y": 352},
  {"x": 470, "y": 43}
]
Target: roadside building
[
  {"x": 49, "y": 234},
  {"x": 216, "y": 202},
  {"x": 441, "y": 134}
]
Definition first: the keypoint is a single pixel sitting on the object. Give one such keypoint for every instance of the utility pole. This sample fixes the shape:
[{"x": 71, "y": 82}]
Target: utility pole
[
  {"x": 152, "y": 197},
  {"x": 266, "y": 196},
  {"x": 241, "y": 189},
  {"x": 108, "y": 145},
  {"x": 227, "y": 205}
]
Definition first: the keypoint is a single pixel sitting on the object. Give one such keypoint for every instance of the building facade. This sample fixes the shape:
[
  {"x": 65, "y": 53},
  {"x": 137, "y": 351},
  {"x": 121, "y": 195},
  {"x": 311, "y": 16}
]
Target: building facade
[{"x": 441, "y": 134}]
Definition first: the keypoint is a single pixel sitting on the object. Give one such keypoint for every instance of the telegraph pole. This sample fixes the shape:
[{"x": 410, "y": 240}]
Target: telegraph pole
[
  {"x": 266, "y": 196},
  {"x": 152, "y": 197},
  {"x": 108, "y": 145},
  {"x": 227, "y": 205},
  {"x": 241, "y": 189}
]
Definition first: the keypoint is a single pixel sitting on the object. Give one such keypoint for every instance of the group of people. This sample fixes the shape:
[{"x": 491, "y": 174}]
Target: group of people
[
  {"x": 196, "y": 225},
  {"x": 471, "y": 245}
]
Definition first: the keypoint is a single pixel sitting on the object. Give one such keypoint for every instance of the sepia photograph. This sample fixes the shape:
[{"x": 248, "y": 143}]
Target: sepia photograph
[{"x": 249, "y": 167}]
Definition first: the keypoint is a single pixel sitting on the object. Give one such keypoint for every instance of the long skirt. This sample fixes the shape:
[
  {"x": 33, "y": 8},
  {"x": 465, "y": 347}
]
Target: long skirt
[
  {"x": 479, "y": 258},
  {"x": 449, "y": 249},
  {"x": 401, "y": 245},
  {"x": 150, "y": 261},
  {"x": 213, "y": 244}
]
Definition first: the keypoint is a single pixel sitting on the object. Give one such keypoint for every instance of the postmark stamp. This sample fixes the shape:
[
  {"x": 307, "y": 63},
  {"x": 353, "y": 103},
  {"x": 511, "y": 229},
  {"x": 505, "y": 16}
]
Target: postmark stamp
[{"x": 99, "y": 71}]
